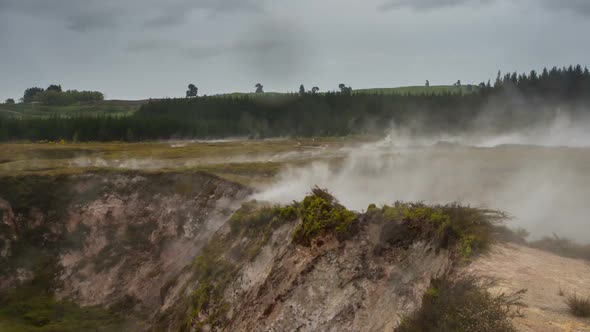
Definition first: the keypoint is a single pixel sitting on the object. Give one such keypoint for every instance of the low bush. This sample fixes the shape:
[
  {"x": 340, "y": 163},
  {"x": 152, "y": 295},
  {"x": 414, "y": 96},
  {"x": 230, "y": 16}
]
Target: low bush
[{"x": 464, "y": 305}]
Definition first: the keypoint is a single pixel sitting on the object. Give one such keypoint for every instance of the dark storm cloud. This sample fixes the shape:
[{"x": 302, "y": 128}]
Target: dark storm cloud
[
  {"x": 428, "y": 4},
  {"x": 84, "y": 15}
]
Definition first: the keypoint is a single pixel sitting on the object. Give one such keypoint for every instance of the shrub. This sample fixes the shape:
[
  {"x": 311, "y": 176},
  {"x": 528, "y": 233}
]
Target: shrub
[
  {"x": 467, "y": 230},
  {"x": 579, "y": 306},
  {"x": 518, "y": 236},
  {"x": 320, "y": 214},
  {"x": 463, "y": 305},
  {"x": 563, "y": 247}
]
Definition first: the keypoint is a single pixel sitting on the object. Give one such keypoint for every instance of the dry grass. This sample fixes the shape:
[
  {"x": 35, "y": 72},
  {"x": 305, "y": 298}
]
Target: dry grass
[
  {"x": 464, "y": 305},
  {"x": 579, "y": 306},
  {"x": 563, "y": 247},
  {"x": 244, "y": 161}
]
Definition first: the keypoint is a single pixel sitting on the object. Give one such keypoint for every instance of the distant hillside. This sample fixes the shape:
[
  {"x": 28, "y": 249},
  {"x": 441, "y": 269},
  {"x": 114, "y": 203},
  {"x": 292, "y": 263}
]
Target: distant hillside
[
  {"x": 128, "y": 107},
  {"x": 110, "y": 107}
]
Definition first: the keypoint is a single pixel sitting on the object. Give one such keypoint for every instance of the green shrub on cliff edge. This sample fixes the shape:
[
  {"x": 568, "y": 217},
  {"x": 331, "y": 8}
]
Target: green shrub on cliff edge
[
  {"x": 321, "y": 213},
  {"x": 464, "y": 229}
]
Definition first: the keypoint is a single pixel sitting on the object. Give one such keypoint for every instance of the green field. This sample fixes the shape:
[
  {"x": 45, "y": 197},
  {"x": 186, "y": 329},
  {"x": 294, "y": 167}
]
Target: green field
[
  {"x": 244, "y": 161},
  {"x": 111, "y": 107}
]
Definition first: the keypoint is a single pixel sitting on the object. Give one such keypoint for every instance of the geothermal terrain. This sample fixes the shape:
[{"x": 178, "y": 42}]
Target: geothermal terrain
[{"x": 205, "y": 235}]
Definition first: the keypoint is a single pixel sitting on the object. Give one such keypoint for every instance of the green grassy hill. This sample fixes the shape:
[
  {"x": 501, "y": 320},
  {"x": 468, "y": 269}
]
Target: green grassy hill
[
  {"x": 418, "y": 90},
  {"x": 404, "y": 90},
  {"x": 112, "y": 107}
]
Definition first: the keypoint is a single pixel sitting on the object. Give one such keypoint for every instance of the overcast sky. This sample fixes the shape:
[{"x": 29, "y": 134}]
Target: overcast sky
[{"x": 134, "y": 49}]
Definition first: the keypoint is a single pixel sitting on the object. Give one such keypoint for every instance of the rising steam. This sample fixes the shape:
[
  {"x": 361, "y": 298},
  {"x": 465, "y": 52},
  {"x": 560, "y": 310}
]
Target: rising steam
[{"x": 544, "y": 186}]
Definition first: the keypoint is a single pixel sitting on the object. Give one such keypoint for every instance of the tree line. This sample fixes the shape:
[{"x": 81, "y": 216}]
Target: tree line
[
  {"x": 306, "y": 114},
  {"x": 55, "y": 96}
]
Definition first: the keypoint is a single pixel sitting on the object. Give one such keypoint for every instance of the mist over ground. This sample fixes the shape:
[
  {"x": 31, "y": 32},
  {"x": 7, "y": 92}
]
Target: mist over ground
[{"x": 541, "y": 176}]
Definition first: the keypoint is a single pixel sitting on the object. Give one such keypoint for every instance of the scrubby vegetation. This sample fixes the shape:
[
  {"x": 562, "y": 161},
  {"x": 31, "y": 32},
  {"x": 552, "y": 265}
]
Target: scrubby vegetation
[
  {"x": 462, "y": 228},
  {"x": 29, "y": 308},
  {"x": 32, "y": 306},
  {"x": 563, "y": 247},
  {"x": 217, "y": 265},
  {"x": 257, "y": 223},
  {"x": 463, "y": 305},
  {"x": 35, "y": 248},
  {"x": 320, "y": 214},
  {"x": 579, "y": 306},
  {"x": 558, "y": 245}
]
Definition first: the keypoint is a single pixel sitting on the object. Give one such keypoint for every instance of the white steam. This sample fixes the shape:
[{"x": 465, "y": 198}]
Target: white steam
[{"x": 544, "y": 187}]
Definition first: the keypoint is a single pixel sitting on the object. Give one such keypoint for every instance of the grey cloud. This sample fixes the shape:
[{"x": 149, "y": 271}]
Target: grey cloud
[
  {"x": 81, "y": 15},
  {"x": 576, "y": 6},
  {"x": 429, "y": 4},
  {"x": 271, "y": 49},
  {"x": 206, "y": 51},
  {"x": 82, "y": 22},
  {"x": 166, "y": 20},
  {"x": 175, "y": 12},
  {"x": 84, "y": 15},
  {"x": 581, "y": 7}
]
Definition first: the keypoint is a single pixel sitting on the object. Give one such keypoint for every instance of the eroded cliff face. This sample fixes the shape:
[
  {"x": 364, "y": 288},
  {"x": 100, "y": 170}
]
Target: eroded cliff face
[
  {"x": 112, "y": 240},
  {"x": 167, "y": 252},
  {"x": 367, "y": 281}
]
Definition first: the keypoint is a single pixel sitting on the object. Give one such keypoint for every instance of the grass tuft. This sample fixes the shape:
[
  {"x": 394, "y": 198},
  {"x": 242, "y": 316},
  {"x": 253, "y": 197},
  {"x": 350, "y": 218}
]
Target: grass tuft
[
  {"x": 464, "y": 305},
  {"x": 563, "y": 247},
  {"x": 579, "y": 306}
]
